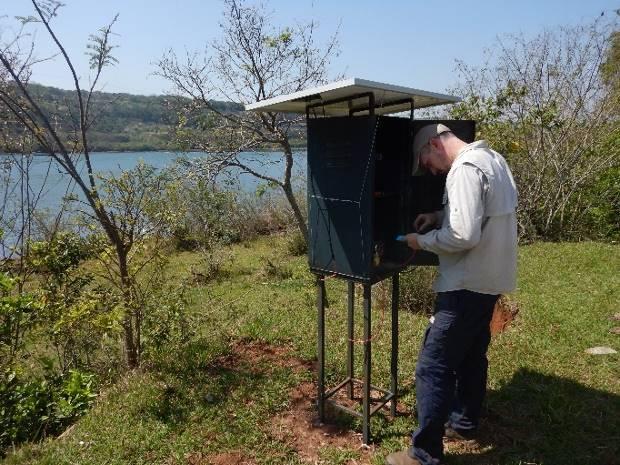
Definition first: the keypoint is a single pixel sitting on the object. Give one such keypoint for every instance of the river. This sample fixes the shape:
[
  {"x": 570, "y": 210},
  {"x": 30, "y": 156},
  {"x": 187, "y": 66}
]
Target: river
[{"x": 48, "y": 181}]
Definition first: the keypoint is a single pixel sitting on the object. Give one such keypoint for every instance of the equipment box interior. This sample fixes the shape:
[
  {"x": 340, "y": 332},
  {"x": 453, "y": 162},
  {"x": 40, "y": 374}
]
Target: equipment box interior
[{"x": 364, "y": 189}]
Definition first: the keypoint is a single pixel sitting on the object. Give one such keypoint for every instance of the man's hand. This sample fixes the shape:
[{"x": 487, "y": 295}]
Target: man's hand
[
  {"x": 424, "y": 222},
  {"x": 412, "y": 241}
]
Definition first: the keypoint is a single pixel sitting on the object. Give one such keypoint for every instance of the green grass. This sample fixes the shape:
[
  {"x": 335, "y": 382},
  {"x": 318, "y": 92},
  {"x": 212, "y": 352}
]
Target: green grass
[{"x": 548, "y": 401}]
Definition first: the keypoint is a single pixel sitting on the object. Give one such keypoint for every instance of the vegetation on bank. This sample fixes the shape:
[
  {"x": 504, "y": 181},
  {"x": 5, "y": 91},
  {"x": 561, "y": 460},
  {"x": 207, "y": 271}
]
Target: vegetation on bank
[
  {"x": 62, "y": 305},
  {"x": 128, "y": 122}
]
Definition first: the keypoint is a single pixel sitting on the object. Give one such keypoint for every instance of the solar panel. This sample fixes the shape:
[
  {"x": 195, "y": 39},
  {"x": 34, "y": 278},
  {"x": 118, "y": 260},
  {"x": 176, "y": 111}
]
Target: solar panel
[{"x": 352, "y": 94}]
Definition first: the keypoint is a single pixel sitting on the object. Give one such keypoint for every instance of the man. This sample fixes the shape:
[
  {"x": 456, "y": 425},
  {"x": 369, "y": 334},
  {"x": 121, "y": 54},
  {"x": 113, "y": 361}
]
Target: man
[{"x": 475, "y": 237}]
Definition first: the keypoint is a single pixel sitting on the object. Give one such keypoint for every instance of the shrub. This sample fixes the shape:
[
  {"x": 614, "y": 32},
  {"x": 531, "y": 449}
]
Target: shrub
[
  {"x": 278, "y": 271},
  {"x": 76, "y": 315},
  {"x": 59, "y": 255},
  {"x": 548, "y": 104},
  {"x": 33, "y": 409},
  {"x": 209, "y": 212},
  {"x": 209, "y": 265},
  {"x": 601, "y": 219},
  {"x": 167, "y": 324},
  {"x": 205, "y": 215},
  {"x": 263, "y": 213},
  {"x": 416, "y": 293},
  {"x": 296, "y": 244},
  {"x": 18, "y": 314}
]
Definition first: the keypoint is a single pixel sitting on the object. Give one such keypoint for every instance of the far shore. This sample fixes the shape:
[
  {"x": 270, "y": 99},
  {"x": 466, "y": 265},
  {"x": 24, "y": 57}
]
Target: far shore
[{"x": 172, "y": 152}]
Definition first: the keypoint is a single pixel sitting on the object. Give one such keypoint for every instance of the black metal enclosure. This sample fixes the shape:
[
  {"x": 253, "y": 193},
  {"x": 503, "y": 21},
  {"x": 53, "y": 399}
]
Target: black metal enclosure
[{"x": 363, "y": 192}]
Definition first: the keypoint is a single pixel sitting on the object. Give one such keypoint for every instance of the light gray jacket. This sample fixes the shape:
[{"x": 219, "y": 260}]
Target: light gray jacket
[{"x": 477, "y": 241}]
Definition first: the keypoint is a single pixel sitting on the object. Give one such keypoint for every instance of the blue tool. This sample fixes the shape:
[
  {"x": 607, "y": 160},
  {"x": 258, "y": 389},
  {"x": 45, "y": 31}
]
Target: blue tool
[{"x": 401, "y": 238}]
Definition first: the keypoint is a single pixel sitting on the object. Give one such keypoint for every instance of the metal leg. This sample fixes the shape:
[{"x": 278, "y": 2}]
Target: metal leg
[
  {"x": 394, "y": 358},
  {"x": 320, "y": 303},
  {"x": 367, "y": 362},
  {"x": 367, "y": 365},
  {"x": 350, "y": 346}
]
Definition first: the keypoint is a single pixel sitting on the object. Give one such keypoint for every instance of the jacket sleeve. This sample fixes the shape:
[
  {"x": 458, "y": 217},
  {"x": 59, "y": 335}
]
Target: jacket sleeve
[{"x": 465, "y": 212}]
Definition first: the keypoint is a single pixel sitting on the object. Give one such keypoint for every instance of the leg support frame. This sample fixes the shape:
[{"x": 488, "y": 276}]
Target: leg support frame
[{"x": 370, "y": 406}]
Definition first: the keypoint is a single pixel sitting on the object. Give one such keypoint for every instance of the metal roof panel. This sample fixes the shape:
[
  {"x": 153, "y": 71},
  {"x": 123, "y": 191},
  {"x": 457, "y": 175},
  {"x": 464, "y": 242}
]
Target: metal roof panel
[{"x": 348, "y": 88}]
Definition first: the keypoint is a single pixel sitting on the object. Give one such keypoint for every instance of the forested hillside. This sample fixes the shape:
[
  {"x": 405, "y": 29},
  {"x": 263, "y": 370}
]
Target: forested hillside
[{"x": 126, "y": 122}]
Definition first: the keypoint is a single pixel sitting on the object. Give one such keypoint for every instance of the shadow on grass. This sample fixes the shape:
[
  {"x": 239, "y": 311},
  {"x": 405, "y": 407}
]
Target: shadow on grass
[
  {"x": 223, "y": 386},
  {"x": 542, "y": 419},
  {"x": 179, "y": 401},
  {"x": 197, "y": 381}
]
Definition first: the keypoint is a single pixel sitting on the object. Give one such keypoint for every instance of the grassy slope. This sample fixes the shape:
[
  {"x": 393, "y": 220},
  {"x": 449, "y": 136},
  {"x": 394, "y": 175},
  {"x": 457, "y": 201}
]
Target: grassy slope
[{"x": 549, "y": 403}]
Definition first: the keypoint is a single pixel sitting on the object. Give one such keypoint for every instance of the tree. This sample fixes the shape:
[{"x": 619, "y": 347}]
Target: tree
[
  {"x": 543, "y": 102},
  {"x": 605, "y": 192},
  {"x": 18, "y": 100},
  {"x": 251, "y": 61},
  {"x": 610, "y": 68}
]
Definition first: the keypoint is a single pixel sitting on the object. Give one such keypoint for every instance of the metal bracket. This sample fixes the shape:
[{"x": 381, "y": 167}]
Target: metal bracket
[{"x": 350, "y": 98}]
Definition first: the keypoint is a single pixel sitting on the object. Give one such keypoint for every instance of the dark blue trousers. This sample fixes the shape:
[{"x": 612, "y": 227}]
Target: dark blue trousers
[{"x": 451, "y": 373}]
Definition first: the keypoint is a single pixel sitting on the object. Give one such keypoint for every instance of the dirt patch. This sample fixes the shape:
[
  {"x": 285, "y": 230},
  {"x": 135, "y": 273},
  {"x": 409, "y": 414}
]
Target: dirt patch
[
  {"x": 279, "y": 356},
  {"x": 300, "y": 428},
  {"x": 504, "y": 312},
  {"x": 257, "y": 355},
  {"x": 342, "y": 398}
]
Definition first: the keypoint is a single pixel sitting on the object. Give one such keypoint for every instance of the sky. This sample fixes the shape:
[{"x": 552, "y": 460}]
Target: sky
[{"x": 410, "y": 43}]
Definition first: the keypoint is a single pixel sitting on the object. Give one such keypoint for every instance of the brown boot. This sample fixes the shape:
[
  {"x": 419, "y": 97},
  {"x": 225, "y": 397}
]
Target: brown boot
[
  {"x": 401, "y": 458},
  {"x": 453, "y": 434}
]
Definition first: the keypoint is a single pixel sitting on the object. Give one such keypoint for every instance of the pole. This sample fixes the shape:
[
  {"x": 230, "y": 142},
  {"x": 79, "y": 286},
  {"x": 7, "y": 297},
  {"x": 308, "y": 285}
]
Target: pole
[
  {"x": 350, "y": 346},
  {"x": 367, "y": 365},
  {"x": 320, "y": 303},
  {"x": 394, "y": 357}
]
